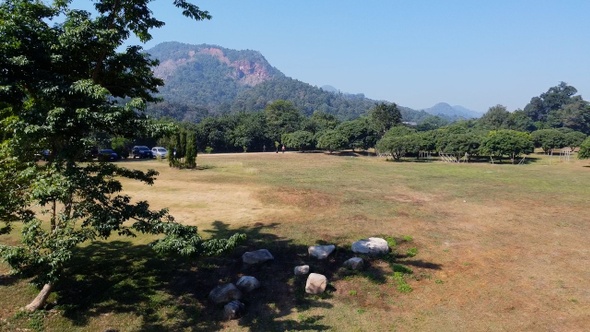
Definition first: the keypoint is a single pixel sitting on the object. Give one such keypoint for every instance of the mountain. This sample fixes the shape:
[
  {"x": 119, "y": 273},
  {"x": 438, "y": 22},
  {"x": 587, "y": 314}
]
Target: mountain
[
  {"x": 452, "y": 112},
  {"x": 329, "y": 88},
  {"x": 206, "y": 75},
  {"x": 204, "y": 80},
  {"x": 305, "y": 97}
]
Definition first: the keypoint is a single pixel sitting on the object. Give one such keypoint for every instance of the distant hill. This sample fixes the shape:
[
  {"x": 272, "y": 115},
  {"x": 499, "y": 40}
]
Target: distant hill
[
  {"x": 452, "y": 112},
  {"x": 204, "y": 80},
  {"x": 305, "y": 97},
  {"x": 329, "y": 88},
  {"x": 208, "y": 76}
]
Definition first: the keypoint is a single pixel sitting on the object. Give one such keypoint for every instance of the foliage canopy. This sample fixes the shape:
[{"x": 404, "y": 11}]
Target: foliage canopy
[
  {"x": 509, "y": 143},
  {"x": 62, "y": 86}
]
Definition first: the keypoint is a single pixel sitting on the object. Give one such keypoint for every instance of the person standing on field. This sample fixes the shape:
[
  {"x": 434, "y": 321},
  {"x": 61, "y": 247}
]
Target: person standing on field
[{"x": 283, "y": 148}]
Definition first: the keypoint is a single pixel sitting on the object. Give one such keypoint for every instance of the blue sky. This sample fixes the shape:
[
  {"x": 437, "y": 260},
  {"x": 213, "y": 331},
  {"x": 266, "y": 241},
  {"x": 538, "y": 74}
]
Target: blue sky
[{"x": 416, "y": 53}]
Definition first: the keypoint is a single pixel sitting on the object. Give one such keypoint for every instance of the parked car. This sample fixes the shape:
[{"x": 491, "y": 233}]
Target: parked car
[
  {"x": 159, "y": 152},
  {"x": 141, "y": 152},
  {"x": 108, "y": 155}
]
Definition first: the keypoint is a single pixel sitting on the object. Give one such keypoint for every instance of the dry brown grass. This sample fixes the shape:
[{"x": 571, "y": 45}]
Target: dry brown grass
[
  {"x": 511, "y": 241},
  {"x": 501, "y": 247}
]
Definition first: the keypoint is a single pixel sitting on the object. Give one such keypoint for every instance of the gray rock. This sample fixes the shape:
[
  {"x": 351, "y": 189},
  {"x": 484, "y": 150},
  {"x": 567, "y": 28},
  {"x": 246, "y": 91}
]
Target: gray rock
[
  {"x": 257, "y": 256},
  {"x": 224, "y": 294},
  {"x": 233, "y": 310},
  {"x": 301, "y": 270},
  {"x": 321, "y": 252},
  {"x": 371, "y": 246},
  {"x": 316, "y": 283},
  {"x": 355, "y": 263},
  {"x": 247, "y": 283}
]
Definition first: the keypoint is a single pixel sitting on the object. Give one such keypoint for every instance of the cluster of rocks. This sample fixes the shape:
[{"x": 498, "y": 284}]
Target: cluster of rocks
[{"x": 230, "y": 295}]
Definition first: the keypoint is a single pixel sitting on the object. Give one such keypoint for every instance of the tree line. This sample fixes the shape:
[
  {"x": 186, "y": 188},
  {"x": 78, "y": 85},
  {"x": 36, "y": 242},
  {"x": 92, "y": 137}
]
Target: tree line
[{"x": 554, "y": 120}]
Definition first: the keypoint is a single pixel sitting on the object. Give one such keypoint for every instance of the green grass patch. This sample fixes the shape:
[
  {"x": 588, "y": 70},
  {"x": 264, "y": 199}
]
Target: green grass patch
[
  {"x": 401, "y": 284},
  {"x": 391, "y": 241},
  {"x": 411, "y": 252}
]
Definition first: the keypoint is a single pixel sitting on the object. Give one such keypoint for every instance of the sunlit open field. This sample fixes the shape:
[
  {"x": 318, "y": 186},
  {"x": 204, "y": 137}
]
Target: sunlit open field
[{"x": 497, "y": 247}]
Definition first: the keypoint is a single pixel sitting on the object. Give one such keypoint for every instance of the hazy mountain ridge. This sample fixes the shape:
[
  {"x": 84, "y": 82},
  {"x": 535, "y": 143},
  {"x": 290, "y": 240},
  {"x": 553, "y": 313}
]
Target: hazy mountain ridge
[
  {"x": 305, "y": 97},
  {"x": 203, "y": 80},
  {"x": 454, "y": 112}
]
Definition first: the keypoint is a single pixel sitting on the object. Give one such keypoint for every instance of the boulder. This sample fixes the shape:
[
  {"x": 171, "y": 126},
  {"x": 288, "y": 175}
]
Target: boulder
[
  {"x": 233, "y": 310},
  {"x": 321, "y": 252},
  {"x": 355, "y": 263},
  {"x": 257, "y": 256},
  {"x": 247, "y": 283},
  {"x": 371, "y": 246},
  {"x": 301, "y": 270},
  {"x": 316, "y": 283},
  {"x": 225, "y": 293}
]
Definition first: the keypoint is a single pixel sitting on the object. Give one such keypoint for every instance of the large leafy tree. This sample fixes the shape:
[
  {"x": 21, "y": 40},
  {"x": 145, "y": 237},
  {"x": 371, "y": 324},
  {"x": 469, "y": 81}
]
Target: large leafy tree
[
  {"x": 575, "y": 115},
  {"x": 584, "y": 149},
  {"x": 332, "y": 140},
  {"x": 457, "y": 144},
  {"x": 319, "y": 122},
  {"x": 432, "y": 122},
  {"x": 495, "y": 118},
  {"x": 359, "y": 133},
  {"x": 384, "y": 116},
  {"x": 250, "y": 132},
  {"x": 573, "y": 139},
  {"x": 507, "y": 142},
  {"x": 518, "y": 120},
  {"x": 398, "y": 141},
  {"x": 282, "y": 118},
  {"x": 301, "y": 140},
  {"x": 61, "y": 85},
  {"x": 539, "y": 108},
  {"x": 549, "y": 139},
  {"x": 214, "y": 133}
]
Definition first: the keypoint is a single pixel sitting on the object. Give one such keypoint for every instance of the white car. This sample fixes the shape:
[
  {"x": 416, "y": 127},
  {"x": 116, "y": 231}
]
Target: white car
[{"x": 159, "y": 152}]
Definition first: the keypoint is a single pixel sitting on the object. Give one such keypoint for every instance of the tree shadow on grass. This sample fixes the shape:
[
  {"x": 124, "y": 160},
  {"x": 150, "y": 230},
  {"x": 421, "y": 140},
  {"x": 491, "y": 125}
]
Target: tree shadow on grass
[
  {"x": 118, "y": 278},
  {"x": 349, "y": 153},
  {"x": 121, "y": 280},
  {"x": 421, "y": 264},
  {"x": 7, "y": 280},
  {"x": 473, "y": 160},
  {"x": 281, "y": 293}
]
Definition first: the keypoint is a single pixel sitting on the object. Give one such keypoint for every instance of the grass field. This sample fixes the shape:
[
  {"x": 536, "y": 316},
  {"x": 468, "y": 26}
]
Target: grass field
[{"x": 478, "y": 247}]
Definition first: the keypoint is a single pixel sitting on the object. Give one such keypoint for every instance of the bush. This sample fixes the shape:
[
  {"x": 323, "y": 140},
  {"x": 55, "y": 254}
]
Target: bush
[{"x": 584, "y": 149}]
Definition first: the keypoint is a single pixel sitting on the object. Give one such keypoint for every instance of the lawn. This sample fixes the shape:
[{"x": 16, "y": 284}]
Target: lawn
[{"x": 475, "y": 247}]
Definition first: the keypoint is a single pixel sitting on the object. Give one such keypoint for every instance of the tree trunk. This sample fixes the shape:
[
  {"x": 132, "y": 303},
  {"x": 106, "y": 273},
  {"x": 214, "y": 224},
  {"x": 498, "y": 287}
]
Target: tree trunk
[
  {"x": 41, "y": 298},
  {"x": 53, "y": 215}
]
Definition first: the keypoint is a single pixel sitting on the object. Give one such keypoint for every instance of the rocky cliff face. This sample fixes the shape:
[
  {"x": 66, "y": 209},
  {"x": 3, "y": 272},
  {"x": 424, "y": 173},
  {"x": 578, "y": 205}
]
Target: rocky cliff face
[
  {"x": 250, "y": 73},
  {"x": 247, "y": 68}
]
